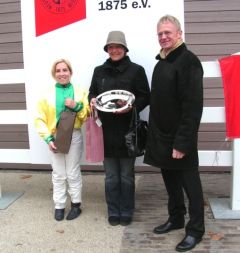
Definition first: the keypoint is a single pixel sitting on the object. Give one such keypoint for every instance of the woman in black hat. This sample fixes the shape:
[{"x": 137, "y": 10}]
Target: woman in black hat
[{"x": 118, "y": 72}]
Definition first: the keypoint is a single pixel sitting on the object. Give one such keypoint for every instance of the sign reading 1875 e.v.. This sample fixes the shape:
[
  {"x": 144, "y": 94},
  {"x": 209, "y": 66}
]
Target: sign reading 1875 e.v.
[{"x": 123, "y": 4}]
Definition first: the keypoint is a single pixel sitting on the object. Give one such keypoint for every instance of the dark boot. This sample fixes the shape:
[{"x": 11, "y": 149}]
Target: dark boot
[
  {"x": 59, "y": 214},
  {"x": 74, "y": 212},
  {"x": 169, "y": 226}
]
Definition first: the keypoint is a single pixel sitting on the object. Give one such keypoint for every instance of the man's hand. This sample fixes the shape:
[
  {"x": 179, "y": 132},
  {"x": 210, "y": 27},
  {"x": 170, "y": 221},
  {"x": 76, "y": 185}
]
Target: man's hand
[{"x": 177, "y": 154}]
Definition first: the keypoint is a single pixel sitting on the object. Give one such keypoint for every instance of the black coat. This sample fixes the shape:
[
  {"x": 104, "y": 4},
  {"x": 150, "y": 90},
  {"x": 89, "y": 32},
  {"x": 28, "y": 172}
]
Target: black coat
[
  {"x": 122, "y": 75},
  {"x": 176, "y": 105}
]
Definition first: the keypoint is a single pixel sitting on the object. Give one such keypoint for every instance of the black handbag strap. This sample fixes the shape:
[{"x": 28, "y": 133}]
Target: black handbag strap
[{"x": 133, "y": 117}]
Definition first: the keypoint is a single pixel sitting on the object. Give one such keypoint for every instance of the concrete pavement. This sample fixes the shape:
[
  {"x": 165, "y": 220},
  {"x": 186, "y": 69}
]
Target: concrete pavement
[{"x": 28, "y": 226}]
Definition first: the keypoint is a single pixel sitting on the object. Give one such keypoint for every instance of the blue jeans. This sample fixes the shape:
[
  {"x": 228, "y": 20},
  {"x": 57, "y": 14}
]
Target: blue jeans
[{"x": 120, "y": 186}]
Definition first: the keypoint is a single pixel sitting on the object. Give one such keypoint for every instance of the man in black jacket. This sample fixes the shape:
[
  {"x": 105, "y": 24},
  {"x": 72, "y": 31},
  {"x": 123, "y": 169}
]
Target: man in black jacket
[{"x": 176, "y": 105}]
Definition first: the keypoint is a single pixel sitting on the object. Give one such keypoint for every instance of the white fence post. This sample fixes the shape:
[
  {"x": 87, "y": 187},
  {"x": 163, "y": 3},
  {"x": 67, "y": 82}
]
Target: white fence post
[
  {"x": 235, "y": 191},
  {"x": 226, "y": 208}
]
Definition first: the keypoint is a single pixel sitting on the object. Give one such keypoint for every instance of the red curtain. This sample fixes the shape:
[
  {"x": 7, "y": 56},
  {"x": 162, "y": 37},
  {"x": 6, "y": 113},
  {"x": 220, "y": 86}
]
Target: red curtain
[{"x": 230, "y": 69}]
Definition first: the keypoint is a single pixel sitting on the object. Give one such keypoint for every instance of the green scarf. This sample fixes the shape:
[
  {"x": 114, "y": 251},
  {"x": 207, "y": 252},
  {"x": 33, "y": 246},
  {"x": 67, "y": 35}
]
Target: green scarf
[{"x": 62, "y": 92}]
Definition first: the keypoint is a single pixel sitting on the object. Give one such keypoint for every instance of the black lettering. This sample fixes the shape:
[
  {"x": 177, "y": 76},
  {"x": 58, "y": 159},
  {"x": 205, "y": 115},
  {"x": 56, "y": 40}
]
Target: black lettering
[
  {"x": 135, "y": 5},
  {"x": 144, "y": 3}
]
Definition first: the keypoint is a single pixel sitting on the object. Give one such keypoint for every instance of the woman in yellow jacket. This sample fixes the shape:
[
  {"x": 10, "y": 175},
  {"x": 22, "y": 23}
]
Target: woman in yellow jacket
[{"x": 66, "y": 174}]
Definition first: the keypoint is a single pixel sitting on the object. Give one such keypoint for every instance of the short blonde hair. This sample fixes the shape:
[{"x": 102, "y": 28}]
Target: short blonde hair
[
  {"x": 53, "y": 71},
  {"x": 172, "y": 19}
]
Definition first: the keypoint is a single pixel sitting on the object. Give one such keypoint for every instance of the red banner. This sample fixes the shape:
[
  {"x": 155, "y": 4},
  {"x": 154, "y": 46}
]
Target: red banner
[
  {"x": 230, "y": 68},
  {"x": 53, "y": 14}
]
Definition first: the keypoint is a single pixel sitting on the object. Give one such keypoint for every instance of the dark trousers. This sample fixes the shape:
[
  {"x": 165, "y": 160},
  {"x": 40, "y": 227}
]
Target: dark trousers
[
  {"x": 120, "y": 186},
  {"x": 176, "y": 182}
]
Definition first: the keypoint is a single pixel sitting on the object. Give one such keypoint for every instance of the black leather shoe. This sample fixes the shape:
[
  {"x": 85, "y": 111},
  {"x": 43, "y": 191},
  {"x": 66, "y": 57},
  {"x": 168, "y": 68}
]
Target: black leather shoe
[
  {"x": 59, "y": 214},
  {"x": 125, "y": 220},
  {"x": 188, "y": 243},
  {"x": 74, "y": 212},
  {"x": 113, "y": 220},
  {"x": 167, "y": 227}
]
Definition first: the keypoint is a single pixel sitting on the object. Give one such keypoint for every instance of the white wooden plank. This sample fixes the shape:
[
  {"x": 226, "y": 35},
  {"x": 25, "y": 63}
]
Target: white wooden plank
[
  {"x": 215, "y": 158},
  {"x": 15, "y": 156},
  {"x": 213, "y": 115},
  {"x": 13, "y": 117},
  {"x": 211, "y": 69},
  {"x": 10, "y": 76},
  {"x": 206, "y": 157},
  {"x": 210, "y": 115}
]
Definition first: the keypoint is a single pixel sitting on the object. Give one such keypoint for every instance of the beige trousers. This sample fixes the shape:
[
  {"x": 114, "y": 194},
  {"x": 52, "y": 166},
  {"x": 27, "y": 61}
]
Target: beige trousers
[{"x": 66, "y": 174}]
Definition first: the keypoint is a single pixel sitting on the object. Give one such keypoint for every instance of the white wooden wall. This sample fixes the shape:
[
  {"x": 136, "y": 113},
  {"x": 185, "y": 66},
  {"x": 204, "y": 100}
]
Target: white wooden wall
[{"x": 210, "y": 115}]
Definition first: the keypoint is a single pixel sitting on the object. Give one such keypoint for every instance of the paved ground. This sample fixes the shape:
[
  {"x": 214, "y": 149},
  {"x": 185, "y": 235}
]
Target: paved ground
[{"x": 28, "y": 226}]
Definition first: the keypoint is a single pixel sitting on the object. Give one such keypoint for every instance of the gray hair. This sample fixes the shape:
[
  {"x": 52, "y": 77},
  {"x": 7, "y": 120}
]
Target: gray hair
[{"x": 172, "y": 19}]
